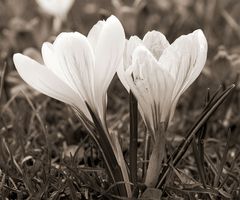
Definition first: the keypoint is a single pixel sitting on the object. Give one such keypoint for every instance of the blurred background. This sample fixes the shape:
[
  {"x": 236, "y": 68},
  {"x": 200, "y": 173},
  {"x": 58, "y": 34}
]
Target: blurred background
[{"x": 25, "y": 25}]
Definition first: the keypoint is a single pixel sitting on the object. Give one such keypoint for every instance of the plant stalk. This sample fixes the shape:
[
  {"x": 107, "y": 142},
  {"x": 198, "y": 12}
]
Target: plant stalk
[
  {"x": 156, "y": 158},
  {"x": 114, "y": 167},
  {"x": 133, "y": 106}
]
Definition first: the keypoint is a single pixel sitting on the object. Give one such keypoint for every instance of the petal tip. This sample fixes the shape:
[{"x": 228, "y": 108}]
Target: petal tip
[
  {"x": 140, "y": 50},
  {"x": 199, "y": 33},
  {"x": 112, "y": 17},
  {"x": 17, "y": 57},
  {"x": 46, "y": 46},
  {"x": 201, "y": 37},
  {"x": 141, "y": 54},
  {"x": 113, "y": 20}
]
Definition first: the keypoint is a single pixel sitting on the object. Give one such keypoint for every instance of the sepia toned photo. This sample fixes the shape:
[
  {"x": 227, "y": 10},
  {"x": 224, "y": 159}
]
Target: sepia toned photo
[{"x": 119, "y": 99}]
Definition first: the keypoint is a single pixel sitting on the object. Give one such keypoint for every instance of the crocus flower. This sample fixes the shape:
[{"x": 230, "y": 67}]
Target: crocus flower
[
  {"x": 77, "y": 69},
  {"x": 56, "y": 8},
  {"x": 158, "y": 73}
]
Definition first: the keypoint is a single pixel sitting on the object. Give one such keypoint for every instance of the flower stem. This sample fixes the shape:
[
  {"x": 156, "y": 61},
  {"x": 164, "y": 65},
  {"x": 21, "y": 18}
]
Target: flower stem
[
  {"x": 114, "y": 167},
  {"x": 133, "y": 106},
  {"x": 156, "y": 159},
  {"x": 147, "y": 143}
]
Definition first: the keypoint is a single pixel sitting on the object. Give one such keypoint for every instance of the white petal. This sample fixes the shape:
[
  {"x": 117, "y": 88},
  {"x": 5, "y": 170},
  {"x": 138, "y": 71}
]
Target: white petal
[
  {"x": 75, "y": 59},
  {"x": 58, "y": 8},
  {"x": 51, "y": 61},
  {"x": 200, "y": 46},
  {"x": 94, "y": 33},
  {"x": 156, "y": 42},
  {"x": 42, "y": 79},
  {"x": 130, "y": 46},
  {"x": 109, "y": 51},
  {"x": 159, "y": 82},
  {"x": 152, "y": 86},
  {"x": 140, "y": 95},
  {"x": 122, "y": 76},
  {"x": 184, "y": 59}
]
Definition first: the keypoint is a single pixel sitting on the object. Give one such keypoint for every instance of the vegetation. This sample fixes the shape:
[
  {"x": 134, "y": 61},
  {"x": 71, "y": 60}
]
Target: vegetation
[{"x": 46, "y": 152}]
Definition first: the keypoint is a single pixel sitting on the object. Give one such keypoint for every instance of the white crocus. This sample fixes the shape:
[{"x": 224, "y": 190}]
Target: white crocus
[
  {"x": 77, "y": 69},
  {"x": 158, "y": 73},
  {"x": 56, "y": 8}
]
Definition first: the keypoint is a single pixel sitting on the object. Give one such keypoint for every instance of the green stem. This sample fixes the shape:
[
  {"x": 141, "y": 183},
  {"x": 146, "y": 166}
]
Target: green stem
[
  {"x": 147, "y": 143},
  {"x": 110, "y": 157},
  {"x": 156, "y": 159},
  {"x": 133, "y": 106}
]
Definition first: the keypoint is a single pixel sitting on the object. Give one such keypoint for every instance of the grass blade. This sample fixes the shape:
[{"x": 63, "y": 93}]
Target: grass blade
[
  {"x": 199, "y": 163},
  {"x": 198, "y": 147},
  {"x": 2, "y": 79},
  {"x": 207, "y": 112},
  {"x": 223, "y": 161}
]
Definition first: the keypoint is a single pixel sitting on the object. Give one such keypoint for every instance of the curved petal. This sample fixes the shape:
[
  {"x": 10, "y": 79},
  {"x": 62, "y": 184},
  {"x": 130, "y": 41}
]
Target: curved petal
[
  {"x": 58, "y": 8},
  {"x": 200, "y": 46},
  {"x": 152, "y": 86},
  {"x": 50, "y": 60},
  {"x": 130, "y": 46},
  {"x": 155, "y": 42},
  {"x": 108, "y": 52},
  {"x": 42, "y": 79},
  {"x": 75, "y": 60},
  {"x": 122, "y": 76},
  {"x": 94, "y": 33},
  {"x": 140, "y": 94},
  {"x": 184, "y": 59}
]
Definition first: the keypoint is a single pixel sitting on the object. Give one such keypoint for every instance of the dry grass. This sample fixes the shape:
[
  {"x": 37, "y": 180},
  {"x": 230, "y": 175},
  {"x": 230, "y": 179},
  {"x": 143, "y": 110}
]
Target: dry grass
[{"x": 45, "y": 153}]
